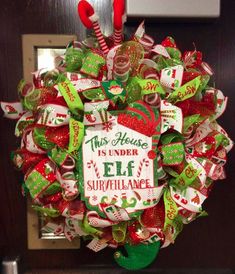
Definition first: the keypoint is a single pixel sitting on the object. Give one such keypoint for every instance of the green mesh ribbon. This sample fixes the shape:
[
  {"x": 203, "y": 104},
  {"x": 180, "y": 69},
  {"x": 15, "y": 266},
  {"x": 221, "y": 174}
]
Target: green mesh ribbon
[
  {"x": 40, "y": 139},
  {"x": 73, "y": 59},
  {"x": 119, "y": 232}
]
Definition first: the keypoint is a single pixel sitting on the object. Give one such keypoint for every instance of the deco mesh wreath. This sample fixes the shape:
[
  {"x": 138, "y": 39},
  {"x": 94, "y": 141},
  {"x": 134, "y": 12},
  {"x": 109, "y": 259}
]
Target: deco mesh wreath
[{"x": 120, "y": 143}]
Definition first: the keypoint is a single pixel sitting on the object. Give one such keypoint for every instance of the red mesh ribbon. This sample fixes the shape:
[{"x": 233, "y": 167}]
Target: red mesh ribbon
[
  {"x": 154, "y": 216},
  {"x": 59, "y": 136},
  {"x": 205, "y": 107}
]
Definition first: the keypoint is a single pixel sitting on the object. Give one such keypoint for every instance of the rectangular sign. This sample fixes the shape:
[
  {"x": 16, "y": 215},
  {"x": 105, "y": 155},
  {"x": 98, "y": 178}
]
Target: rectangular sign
[{"x": 116, "y": 168}]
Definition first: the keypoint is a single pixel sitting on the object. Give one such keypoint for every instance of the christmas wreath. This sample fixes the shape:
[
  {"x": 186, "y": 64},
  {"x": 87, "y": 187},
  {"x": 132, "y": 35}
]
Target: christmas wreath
[{"x": 120, "y": 143}]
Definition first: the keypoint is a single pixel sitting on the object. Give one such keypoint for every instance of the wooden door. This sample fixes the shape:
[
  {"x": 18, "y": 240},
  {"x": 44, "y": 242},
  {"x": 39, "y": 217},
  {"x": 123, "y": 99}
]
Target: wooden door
[{"x": 208, "y": 242}]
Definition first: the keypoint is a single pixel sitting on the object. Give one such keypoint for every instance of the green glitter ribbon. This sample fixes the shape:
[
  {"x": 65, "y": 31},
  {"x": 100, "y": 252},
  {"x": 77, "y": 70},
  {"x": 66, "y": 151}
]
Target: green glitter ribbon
[
  {"x": 31, "y": 100},
  {"x": 219, "y": 138},
  {"x": 178, "y": 226},
  {"x": 95, "y": 94},
  {"x": 52, "y": 189},
  {"x": 162, "y": 62},
  {"x": 133, "y": 90},
  {"x": 190, "y": 120},
  {"x": 204, "y": 81},
  {"x": 87, "y": 228},
  {"x": 174, "y": 53},
  {"x": 73, "y": 59},
  {"x": 51, "y": 212},
  {"x": 58, "y": 156},
  {"x": 171, "y": 137},
  {"x": 40, "y": 139}
]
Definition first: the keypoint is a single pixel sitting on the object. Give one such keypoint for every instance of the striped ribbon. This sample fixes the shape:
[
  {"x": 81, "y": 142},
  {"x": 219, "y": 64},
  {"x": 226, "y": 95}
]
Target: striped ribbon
[{"x": 100, "y": 38}]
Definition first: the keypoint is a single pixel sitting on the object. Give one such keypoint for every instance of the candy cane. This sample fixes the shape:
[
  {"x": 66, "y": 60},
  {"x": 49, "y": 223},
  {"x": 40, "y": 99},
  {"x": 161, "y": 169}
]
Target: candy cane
[
  {"x": 90, "y": 20},
  {"x": 118, "y": 13},
  {"x": 92, "y": 163},
  {"x": 144, "y": 161}
]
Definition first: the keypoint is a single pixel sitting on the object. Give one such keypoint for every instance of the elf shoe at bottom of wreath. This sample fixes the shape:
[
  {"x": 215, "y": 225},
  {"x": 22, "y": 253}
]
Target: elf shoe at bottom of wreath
[{"x": 139, "y": 256}]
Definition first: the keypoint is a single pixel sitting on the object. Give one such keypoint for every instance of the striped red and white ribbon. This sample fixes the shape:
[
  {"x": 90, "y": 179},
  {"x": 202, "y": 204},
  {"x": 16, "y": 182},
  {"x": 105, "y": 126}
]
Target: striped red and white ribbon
[{"x": 98, "y": 33}]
